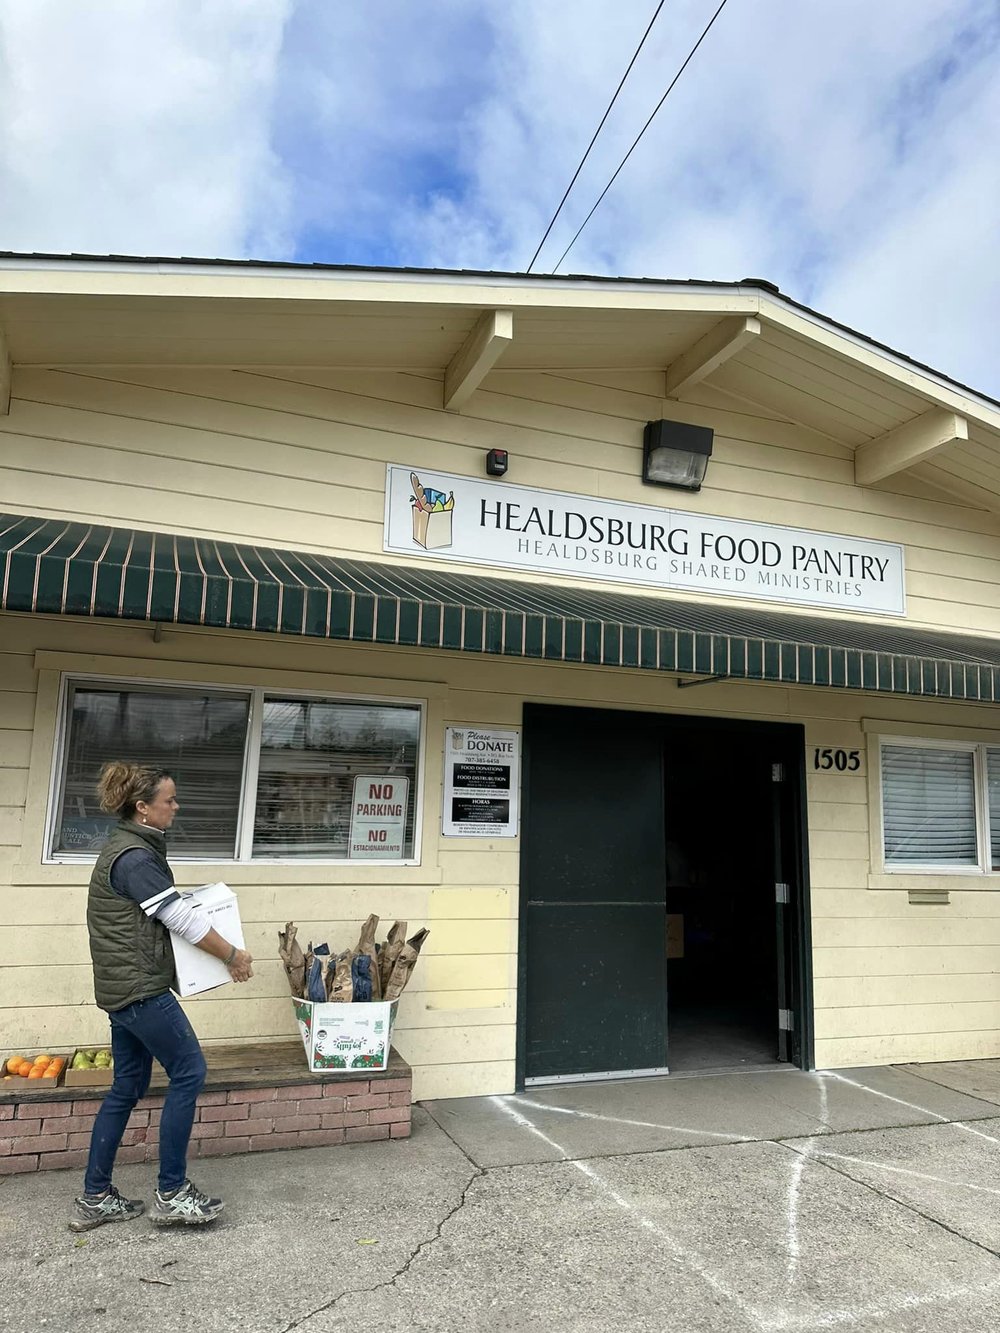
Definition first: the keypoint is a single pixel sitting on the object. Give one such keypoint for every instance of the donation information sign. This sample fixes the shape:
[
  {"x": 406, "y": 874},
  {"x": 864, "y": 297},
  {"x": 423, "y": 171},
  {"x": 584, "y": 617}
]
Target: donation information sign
[
  {"x": 446, "y": 517},
  {"x": 480, "y": 783},
  {"x": 378, "y": 818}
]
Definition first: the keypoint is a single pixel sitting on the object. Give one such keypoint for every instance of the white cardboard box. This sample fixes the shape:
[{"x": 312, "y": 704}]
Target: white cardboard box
[
  {"x": 197, "y": 970},
  {"x": 345, "y": 1036}
]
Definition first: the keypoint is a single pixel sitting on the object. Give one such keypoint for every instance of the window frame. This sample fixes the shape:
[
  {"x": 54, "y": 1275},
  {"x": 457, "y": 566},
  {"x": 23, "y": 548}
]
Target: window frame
[
  {"x": 255, "y": 694},
  {"x": 983, "y": 868}
]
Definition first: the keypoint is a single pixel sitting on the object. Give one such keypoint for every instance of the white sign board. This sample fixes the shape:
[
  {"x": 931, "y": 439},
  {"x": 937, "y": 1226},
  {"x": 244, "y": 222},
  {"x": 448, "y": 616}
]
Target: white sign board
[
  {"x": 480, "y": 783},
  {"x": 448, "y": 517},
  {"x": 378, "y": 818}
]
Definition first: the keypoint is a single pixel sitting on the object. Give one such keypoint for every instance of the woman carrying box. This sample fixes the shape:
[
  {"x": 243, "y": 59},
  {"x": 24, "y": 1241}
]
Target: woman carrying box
[{"x": 131, "y": 909}]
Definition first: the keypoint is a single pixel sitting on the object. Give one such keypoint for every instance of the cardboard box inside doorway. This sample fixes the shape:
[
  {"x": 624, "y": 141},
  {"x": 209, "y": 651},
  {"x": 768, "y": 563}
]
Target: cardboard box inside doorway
[{"x": 675, "y": 935}]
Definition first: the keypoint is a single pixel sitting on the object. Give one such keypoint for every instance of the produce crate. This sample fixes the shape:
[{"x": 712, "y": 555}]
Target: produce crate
[
  {"x": 345, "y": 1036},
  {"x": 29, "y": 1086},
  {"x": 88, "y": 1078}
]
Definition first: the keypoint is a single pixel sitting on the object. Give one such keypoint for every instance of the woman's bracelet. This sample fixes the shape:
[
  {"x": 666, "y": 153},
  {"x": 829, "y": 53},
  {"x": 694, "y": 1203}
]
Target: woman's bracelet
[{"x": 232, "y": 954}]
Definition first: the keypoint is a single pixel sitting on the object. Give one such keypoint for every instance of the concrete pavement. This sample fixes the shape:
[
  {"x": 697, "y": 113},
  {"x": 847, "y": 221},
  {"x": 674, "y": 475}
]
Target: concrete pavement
[{"x": 862, "y": 1199}]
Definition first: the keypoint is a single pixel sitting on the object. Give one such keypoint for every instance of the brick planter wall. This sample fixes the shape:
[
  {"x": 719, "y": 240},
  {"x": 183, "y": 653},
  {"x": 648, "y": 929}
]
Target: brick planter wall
[{"x": 40, "y": 1135}]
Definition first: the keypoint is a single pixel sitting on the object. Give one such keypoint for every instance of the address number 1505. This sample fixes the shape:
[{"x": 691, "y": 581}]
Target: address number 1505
[{"x": 840, "y": 761}]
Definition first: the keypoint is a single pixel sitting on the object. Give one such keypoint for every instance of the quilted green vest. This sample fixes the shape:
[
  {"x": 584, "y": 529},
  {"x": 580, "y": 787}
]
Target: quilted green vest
[{"x": 131, "y": 952}]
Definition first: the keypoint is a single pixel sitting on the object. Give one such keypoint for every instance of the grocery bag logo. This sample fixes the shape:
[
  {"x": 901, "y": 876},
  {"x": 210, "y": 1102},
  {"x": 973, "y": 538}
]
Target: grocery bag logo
[{"x": 432, "y": 515}]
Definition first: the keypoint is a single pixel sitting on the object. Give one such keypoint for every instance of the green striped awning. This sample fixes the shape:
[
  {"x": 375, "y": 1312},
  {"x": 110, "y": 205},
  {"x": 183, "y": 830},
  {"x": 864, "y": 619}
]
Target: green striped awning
[{"x": 56, "y": 567}]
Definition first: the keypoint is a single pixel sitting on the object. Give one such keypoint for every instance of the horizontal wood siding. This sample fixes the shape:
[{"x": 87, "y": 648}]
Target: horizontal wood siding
[
  {"x": 890, "y": 978},
  {"x": 297, "y": 458}
]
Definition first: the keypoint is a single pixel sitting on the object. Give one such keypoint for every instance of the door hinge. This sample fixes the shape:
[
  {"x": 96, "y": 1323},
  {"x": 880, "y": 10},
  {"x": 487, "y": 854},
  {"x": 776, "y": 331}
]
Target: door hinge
[
  {"x": 777, "y": 772},
  {"x": 786, "y": 1020},
  {"x": 782, "y": 893}
]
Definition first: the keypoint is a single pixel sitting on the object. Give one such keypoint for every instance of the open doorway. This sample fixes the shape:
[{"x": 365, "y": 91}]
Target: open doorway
[
  {"x": 722, "y": 950},
  {"x": 632, "y": 823}
]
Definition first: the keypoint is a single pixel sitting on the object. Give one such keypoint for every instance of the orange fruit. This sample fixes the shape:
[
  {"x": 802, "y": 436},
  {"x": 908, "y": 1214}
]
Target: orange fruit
[
  {"x": 56, "y": 1066},
  {"x": 36, "y": 1072},
  {"x": 17, "y": 1064},
  {"x": 42, "y": 1061}
]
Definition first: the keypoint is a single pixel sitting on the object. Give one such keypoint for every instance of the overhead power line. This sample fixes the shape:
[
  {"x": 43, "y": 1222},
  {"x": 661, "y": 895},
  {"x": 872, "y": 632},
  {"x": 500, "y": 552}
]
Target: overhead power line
[
  {"x": 673, "y": 84},
  {"x": 607, "y": 112}
]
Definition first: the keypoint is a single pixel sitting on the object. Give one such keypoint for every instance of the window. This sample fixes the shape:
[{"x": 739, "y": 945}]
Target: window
[
  {"x": 260, "y": 775},
  {"x": 311, "y": 754},
  {"x": 200, "y": 736},
  {"x": 940, "y": 806}
]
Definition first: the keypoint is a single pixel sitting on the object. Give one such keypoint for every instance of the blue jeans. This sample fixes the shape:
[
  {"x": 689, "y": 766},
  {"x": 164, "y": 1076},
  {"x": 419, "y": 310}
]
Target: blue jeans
[{"x": 152, "y": 1029}]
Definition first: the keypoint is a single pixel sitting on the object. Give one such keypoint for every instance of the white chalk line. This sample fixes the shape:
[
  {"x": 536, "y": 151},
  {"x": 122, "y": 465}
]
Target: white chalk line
[
  {"x": 794, "y": 1192},
  {"x": 792, "y": 1323},
  {"x": 804, "y": 1148},
  {"x": 971, "y": 1129},
  {"x": 681, "y": 1252},
  {"x": 899, "y": 1170},
  {"x": 887, "y": 1096},
  {"x": 901, "y": 1304},
  {"x": 787, "y": 1322},
  {"x": 640, "y": 1124},
  {"x": 912, "y": 1106},
  {"x": 794, "y": 1248}
]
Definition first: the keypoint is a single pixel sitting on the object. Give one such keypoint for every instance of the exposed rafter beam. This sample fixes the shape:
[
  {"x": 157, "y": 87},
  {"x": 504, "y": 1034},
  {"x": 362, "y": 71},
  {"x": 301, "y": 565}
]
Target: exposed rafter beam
[
  {"x": 718, "y": 345},
  {"x": 493, "y": 334},
  {"x": 902, "y": 448},
  {"x": 5, "y": 376}
]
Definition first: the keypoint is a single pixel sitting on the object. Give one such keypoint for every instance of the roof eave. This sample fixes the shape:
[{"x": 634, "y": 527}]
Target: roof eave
[{"x": 129, "y": 275}]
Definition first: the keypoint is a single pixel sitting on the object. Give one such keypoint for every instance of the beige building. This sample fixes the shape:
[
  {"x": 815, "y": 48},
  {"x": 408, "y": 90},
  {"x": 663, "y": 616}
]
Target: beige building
[{"x": 677, "y": 777}]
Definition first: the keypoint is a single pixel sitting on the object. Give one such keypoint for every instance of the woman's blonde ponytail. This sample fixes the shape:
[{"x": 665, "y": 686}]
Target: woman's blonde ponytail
[{"x": 122, "y": 785}]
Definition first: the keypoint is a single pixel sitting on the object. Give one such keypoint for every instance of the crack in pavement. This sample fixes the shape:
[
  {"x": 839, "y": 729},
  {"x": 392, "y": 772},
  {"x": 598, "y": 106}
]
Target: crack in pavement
[
  {"x": 401, "y": 1271},
  {"x": 890, "y": 1198},
  {"x": 737, "y": 1141},
  {"x": 939, "y": 1083},
  {"x": 477, "y": 1173}
]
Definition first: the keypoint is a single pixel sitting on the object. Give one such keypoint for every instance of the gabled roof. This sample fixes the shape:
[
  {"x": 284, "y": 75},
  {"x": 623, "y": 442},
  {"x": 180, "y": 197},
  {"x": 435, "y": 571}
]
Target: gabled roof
[{"x": 746, "y": 338}]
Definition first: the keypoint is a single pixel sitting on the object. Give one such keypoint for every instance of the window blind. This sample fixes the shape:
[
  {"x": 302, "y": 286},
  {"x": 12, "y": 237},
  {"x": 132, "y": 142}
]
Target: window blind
[
  {"x": 199, "y": 738},
  {"x": 312, "y": 751},
  {"x": 929, "y": 806},
  {"x": 993, "y": 800}
]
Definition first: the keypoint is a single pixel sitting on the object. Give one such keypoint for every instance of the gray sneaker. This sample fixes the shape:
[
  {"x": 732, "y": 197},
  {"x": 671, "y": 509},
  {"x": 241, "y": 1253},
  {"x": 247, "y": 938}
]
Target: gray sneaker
[
  {"x": 187, "y": 1205},
  {"x": 111, "y": 1207}
]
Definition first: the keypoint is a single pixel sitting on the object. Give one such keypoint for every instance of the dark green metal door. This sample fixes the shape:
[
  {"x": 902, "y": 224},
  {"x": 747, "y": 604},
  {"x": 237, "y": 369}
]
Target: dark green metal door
[{"x": 594, "y": 973}]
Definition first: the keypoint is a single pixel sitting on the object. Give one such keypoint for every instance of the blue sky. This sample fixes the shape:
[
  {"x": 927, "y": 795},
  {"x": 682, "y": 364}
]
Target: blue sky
[{"x": 845, "y": 149}]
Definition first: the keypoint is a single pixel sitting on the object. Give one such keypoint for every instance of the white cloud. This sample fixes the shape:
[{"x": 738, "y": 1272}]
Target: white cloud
[
  {"x": 140, "y": 126},
  {"x": 844, "y": 150}
]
